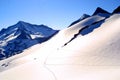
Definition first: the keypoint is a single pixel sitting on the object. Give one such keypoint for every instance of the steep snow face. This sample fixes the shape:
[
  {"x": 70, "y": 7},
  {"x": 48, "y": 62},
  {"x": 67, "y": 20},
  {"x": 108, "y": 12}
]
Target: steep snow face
[
  {"x": 90, "y": 57},
  {"x": 22, "y": 35},
  {"x": 100, "y": 47},
  {"x": 68, "y": 34}
]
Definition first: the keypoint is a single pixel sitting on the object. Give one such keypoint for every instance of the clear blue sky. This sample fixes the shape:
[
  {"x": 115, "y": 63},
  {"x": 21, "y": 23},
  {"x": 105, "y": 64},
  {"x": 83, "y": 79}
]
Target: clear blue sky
[{"x": 56, "y": 14}]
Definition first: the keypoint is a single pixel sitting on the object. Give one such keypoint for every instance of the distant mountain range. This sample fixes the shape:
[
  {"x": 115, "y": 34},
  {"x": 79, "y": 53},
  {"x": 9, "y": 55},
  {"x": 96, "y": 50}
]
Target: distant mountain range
[{"x": 21, "y": 36}]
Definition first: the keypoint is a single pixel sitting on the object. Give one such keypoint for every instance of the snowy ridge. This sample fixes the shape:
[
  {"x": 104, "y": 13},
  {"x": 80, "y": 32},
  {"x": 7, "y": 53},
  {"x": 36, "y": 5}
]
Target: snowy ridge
[
  {"x": 87, "y": 50},
  {"x": 81, "y": 18},
  {"x": 22, "y": 35}
]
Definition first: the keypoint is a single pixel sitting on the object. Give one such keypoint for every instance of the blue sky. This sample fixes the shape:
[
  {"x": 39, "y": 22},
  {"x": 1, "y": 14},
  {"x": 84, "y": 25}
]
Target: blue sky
[{"x": 56, "y": 14}]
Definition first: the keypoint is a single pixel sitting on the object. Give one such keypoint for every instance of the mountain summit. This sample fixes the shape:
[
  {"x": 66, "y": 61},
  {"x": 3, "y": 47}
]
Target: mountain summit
[
  {"x": 117, "y": 10},
  {"x": 100, "y": 10},
  {"x": 81, "y": 18},
  {"x": 22, "y": 35}
]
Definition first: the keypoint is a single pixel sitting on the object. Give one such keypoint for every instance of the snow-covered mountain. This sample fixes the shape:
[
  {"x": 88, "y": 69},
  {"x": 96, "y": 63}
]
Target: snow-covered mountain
[
  {"x": 86, "y": 50},
  {"x": 81, "y": 18},
  {"x": 22, "y": 35}
]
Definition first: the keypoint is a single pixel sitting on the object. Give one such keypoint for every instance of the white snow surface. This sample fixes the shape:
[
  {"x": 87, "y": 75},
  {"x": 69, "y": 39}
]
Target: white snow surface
[{"x": 94, "y": 56}]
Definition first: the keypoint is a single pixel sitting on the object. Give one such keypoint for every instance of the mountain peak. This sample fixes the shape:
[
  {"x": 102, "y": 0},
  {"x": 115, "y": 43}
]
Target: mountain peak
[
  {"x": 100, "y": 10},
  {"x": 22, "y": 35},
  {"x": 81, "y": 18},
  {"x": 21, "y": 22},
  {"x": 84, "y": 16},
  {"x": 117, "y": 10}
]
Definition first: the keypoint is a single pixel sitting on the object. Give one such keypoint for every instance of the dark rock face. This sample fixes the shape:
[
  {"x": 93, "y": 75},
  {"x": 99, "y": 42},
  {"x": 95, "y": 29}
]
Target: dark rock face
[
  {"x": 117, "y": 10},
  {"x": 100, "y": 10}
]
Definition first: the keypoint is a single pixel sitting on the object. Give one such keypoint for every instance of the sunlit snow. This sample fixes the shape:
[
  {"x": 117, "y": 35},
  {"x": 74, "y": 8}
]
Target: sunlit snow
[{"x": 94, "y": 56}]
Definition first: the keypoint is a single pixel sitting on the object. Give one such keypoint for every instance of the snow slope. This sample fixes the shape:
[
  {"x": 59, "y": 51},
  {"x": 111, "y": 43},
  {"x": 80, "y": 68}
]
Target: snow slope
[
  {"x": 91, "y": 57},
  {"x": 88, "y": 50},
  {"x": 100, "y": 45}
]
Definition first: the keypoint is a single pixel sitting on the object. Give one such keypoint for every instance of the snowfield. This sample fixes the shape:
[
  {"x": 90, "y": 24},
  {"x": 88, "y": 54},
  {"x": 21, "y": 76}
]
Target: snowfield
[{"x": 70, "y": 55}]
